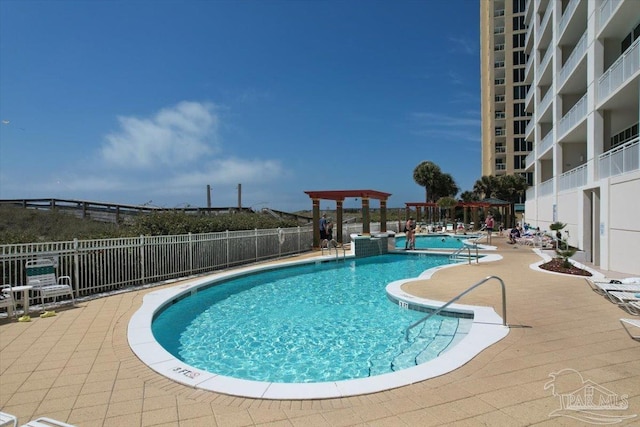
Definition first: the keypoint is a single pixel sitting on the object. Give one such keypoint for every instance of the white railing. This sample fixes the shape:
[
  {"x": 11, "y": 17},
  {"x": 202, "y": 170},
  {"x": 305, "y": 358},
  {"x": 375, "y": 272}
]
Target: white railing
[
  {"x": 568, "y": 12},
  {"x": 498, "y": 13},
  {"x": 546, "y": 142},
  {"x": 578, "y": 53},
  {"x": 528, "y": 68},
  {"x": 501, "y": 149},
  {"x": 498, "y": 30},
  {"x": 501, "y": 166},
  {"x": 622, "y": 159},
  {"x": 529, "y": 97},
  {"x": 529, "y": 128},
  {"x": 606, "y": 10},
  {"x": 499, "y": 98},
  {"x": 574, "y": 116},
  {"x": 531, "y": 193},
  {"x": 574, "y": 178},
  {"x": 545, "y": 61},
  {"x": 545, "y": 188},
  {"x": 544, "y": 22},
  {"x": 528, "y": 161},
  {"x": 500, "y": 132},
  {"x": 546, "y": 101},
  {"x": 500, "y": 115},
  {"x": 498, "y": 64},
  {"x": 499, "y": 81},
  {"x": 624, "y": 67},
  {"x": 498, "y": 47}
]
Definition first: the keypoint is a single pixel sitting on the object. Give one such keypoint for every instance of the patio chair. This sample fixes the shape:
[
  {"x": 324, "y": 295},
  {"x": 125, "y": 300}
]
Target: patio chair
[
  {"x": 626, "y": 323},
  {"x": 7, "y": 301},
  {"x": 41, "y": 274},
  {"x": 626, "y": 300},
  {"x": 46, "y": 422},
  {"x": 603, "y": 286},
  {"x": 7, "y": 420}
]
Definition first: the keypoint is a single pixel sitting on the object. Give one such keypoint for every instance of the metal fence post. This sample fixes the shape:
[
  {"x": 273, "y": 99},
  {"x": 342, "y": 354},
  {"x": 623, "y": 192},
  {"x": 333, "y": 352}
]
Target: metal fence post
[
  {"x": 142, "y": 266},
  {"x": 190, "y": 255},
  {"x": 76, "y": 266}
]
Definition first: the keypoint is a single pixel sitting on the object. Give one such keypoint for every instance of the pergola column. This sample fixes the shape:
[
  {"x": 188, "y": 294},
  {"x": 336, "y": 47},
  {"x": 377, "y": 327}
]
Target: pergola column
[
  {"x": 316, "y": 223},
  {"x": 339, "y": 204},
  {"x": 366, "y": 225},
  {"x": 383, "y": 216}
]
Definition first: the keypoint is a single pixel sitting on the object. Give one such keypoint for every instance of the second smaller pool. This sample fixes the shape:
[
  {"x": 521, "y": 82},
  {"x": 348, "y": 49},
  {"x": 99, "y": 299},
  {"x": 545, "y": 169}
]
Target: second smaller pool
[{"x": 436, "y": 241}]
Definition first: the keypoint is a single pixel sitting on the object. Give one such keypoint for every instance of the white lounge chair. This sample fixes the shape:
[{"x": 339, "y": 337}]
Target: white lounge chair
[
  {"x": 46, "y": 422},
  {"x": 8, "y": 420},
  {"x": 627, "y": 300},
  {"x": 41, "y": 274},
  {"x": 7, "y": 301},
  {"x": 602, "y": 287},
  {"x": 631, "y": 322}
]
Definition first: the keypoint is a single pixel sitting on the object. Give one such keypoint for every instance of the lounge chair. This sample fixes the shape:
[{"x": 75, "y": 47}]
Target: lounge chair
[
  {"x": 7, "y": 420},
  {"x": 46, "y": 422},
  {"x": 627, "y": 300},
  {"x": 41, "y": 274},
  {"x": 603, "y": 286},
  {"x": 631, "y": 322},
  {"x": 7, "y": 301}
]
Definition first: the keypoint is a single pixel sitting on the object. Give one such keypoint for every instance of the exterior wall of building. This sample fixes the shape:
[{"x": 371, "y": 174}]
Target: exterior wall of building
[{"x": 585, "y": 99}]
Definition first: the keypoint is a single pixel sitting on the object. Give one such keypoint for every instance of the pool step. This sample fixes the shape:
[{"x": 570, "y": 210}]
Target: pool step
[{"x": 433, "y": 339}]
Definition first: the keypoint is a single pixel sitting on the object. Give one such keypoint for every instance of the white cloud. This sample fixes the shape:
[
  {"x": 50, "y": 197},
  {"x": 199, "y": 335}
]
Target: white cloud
[
  {"x": 174, "y": 136},
  {"x": 462, "y": 127},
  {"x": 232, "y": 171}
]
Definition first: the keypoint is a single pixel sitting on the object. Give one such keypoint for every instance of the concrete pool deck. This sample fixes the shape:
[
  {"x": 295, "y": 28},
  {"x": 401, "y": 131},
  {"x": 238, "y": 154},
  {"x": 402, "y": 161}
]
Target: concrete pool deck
[{"x": 77, "y": 367}]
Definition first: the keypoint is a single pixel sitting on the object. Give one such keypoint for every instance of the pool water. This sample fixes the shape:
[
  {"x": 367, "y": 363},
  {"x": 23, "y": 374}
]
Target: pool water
[
  {"x": 309, "y": 323},
  {"x": 438, "y": 241}
]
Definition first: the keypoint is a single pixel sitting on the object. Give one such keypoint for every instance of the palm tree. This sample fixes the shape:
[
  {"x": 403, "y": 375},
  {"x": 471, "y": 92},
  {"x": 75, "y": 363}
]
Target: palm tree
[
  {"x": 486, "y": 186},
  {"x": 426, "y": 175},
  {"x": 511, "y": 188},
  {"x": 447, "y": 203}
]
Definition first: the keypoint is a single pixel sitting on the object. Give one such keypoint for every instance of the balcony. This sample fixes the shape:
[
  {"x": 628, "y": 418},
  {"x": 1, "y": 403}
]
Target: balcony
[
  {"x": 499, "y": 98},
  {"x": 621, "y": 70},
  {"x": 499, "y": 47},
  {"x": 501, "y": 167},
  {"x": 498, "y": 30},
  {"x": 529, "y": 160},
  {"x": 566, "y": 16},
  {"x": 500, "y": 132},
  {"x": 501, "y": 149},
  {"x": 574, "y": 116},
  {"x": 606, "y": 10},
  {"x": 500, "y": 115},
  {"x": 499, "y": 82},
  {"x": 543, "y": 23},
  {"x": 622, "y": 159},
  {"x": 529, "y": 130},
  {"x": 546, "y": 59},
  {"x": 576, "y": 55},
  {"x": 546, "y": 101},
  {"x": 546, "y": 142},
  {"x": 498, "y": 13},
  {"x": 545, "y": 188},
  {"x": 498, "y": 64},
  {"x": 574, "y": 178}
]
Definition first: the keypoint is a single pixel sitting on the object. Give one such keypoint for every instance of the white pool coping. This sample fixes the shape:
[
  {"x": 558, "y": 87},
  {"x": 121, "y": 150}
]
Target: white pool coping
[{"x": 486, "y": 330}]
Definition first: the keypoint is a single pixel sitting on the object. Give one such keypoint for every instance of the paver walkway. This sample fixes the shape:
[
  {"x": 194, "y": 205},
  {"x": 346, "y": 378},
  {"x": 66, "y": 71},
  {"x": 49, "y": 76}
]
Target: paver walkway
[{"x": 77, "y": 366}]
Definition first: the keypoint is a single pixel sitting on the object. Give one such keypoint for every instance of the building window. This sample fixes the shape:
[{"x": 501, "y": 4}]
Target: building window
[
  {"x": 520, "y": 92},
  {"x": 519, "y": 6},
  {"x": 518, "y": 23},
  {"x": 519, "y": 57},
  {"x": 518, "y": 110},
  {"x": 518, "y": 40},
  {"x": 520, "y": 126},
  {"x": 518, "y": 75},
  {"x": 519, "y": 161},
  {"x": 626, "y": 135},
  {"x": 520, "y": 145}
]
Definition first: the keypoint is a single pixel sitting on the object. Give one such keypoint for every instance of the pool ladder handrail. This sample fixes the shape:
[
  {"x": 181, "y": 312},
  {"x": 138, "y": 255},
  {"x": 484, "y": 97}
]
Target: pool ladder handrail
[
  {"x": 472, "y": 287},
  {"x": 455, "y": 255},
  {"x": 333, "y": 243}
]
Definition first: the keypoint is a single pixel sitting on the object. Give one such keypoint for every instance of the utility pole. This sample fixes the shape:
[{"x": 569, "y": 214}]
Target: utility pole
[
  {"x": 239, "y": 197},
  {"x": 209, "y": 197}
]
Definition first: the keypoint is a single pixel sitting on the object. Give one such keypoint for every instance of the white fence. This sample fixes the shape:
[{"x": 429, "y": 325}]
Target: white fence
[{"x": 105, "y": 265}]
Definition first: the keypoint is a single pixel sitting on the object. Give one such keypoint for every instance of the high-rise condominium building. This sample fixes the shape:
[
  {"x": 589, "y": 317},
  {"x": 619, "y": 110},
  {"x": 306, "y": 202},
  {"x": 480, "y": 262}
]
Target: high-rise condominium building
[
  {"x": 503, "y": 33},
  {"x": 584, "y": 72}
]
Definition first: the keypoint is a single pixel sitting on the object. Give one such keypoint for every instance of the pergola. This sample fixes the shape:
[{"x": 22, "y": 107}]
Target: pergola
[
  {"x": 338, "y": 196},
  {"x": 467, "y": 206}
]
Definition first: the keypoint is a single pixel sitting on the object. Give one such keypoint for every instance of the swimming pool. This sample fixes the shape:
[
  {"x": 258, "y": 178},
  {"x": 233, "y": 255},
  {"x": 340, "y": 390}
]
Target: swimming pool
[
  {"x": 436, "y": 241},
  {"x": 484, "y": 330},
  {"x": 318, "y": 322}
]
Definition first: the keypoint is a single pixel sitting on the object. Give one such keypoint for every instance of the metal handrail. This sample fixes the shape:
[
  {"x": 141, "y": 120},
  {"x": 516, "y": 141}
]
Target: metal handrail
[{"x": 504, "y": 304}]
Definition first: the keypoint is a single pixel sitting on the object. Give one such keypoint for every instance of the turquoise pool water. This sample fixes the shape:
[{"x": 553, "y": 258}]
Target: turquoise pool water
[
  {"x": 309, "y": 323},
  {"x": 438, "y": 241}
]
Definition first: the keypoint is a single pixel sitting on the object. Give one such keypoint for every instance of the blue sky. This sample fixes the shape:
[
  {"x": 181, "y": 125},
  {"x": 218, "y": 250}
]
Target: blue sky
[{"x": 138, "y": 101}]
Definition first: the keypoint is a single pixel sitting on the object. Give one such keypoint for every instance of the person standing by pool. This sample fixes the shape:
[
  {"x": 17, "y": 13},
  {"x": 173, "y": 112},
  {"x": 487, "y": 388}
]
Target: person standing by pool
[
  {"x": 410, "y": 234},
  {"x": 323, "y": 227},
  {"x": 489, "y": 223}
]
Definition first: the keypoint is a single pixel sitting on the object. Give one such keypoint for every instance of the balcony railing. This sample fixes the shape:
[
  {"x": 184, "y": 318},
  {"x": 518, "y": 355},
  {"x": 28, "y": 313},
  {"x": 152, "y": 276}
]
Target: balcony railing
[
  {"x": 568, "y": 12},
  {"x": 546, "y": 142},
  {"x": 546, "y": 101},
  {"x": 578, "y": 53},
  {"x": 498, "y": 30},
  {"x": 574, "y": 178},
  {"x": 528, "y": 161},
  {"x": 501, "y": 166},
  {"x": 606, "y": 10},
  {"x": 545, "y": 188},
  {"x": 501, "y": 149},
  {"x": 498, "y": 64},
  {"x": 619, "y": 71},
  {"x": 544, "y": 22},
  {"x": 499, "y": 81},
  {"x": 500, "y": 132},
  {"x": 622, "y": 159},
  {"x": 575, "y": 115},
  {"x": 529, "y": 128},
  {"x": 500, "y": 115},
  {"x": 498, "y": 13},
  {"x": 545, "y": 61},
  {"x": 499, "y": 98},
  {"x": 498, "y": 47}
]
